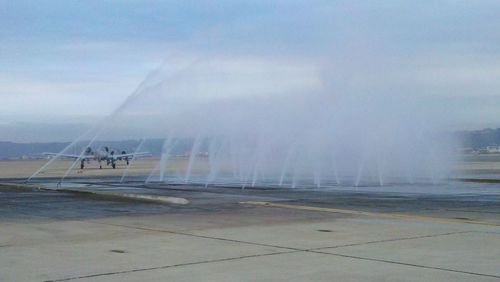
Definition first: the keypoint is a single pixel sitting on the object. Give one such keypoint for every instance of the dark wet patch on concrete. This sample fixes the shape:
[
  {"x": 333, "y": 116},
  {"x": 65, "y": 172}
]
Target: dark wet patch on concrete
[
  {"x": 463, "y": 218},
  {"x": 118, "y": 251}
]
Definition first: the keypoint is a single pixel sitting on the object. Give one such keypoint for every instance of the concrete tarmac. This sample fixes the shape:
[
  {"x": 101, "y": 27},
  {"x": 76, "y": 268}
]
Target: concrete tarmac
[{"x": 228, "y": 234}]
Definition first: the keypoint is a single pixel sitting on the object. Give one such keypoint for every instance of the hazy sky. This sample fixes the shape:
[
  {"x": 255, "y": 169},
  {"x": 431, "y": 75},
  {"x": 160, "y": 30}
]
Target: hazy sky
[{"x": 66, "y": 63}]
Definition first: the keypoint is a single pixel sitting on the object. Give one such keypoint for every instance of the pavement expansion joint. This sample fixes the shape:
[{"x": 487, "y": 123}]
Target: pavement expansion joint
[
  {"x": 289, "y": 251},
  {"x": 391, "y": 240},
  {"x": 408, "y": 264},
  {"x": 200, "y": 236},
  {"x": 168, "y": 266},
  {"x": 295, "y": 250}
]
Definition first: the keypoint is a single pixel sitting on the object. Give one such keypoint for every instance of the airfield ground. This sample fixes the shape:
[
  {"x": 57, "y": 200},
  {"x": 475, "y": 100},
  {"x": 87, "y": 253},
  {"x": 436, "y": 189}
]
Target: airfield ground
[
  {"x": 487, "y": 166},
  {"x": 447, "y": 232}
]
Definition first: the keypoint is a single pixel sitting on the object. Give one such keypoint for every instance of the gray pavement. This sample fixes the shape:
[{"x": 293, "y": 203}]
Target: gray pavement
[{"x": 356, "y": 236}]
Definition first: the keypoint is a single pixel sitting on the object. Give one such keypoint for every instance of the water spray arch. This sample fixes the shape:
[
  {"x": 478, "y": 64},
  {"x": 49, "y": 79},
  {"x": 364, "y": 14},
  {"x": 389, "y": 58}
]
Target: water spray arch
[{"x": 224, "y": 122}]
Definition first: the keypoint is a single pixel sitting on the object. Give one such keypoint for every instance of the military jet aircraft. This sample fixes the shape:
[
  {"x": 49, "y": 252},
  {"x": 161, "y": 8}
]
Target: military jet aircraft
[{"x": 101, "y": 155}]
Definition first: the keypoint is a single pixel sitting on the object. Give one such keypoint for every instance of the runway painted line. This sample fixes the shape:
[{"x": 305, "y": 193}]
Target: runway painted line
[{"x": 367, "y": 213}]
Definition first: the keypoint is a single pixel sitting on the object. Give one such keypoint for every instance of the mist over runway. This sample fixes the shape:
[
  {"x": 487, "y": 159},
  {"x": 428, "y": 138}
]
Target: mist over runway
[{"x": 258, "y": 131}]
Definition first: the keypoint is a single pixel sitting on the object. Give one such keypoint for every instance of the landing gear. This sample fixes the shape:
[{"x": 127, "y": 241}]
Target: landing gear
[
  {"x": 113, "y": 164},
  {"x": 82, "y": 164}
]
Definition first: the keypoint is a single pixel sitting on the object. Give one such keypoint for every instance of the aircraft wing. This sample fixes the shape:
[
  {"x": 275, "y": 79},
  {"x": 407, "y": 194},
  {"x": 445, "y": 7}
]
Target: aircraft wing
[
  {"x": 139, "y": 154},
  {"x": 83, "y": 157}
]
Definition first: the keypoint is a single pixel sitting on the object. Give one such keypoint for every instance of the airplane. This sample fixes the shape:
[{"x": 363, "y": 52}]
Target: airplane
[{"x": 100, "y": 155}]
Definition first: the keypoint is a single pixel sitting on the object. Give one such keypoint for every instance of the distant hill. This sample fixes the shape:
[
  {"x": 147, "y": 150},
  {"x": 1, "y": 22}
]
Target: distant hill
[
  {"x": 474, "y": 139},
  {"x": 17, "y": 150},
  {"x": 11, "y": 150}
]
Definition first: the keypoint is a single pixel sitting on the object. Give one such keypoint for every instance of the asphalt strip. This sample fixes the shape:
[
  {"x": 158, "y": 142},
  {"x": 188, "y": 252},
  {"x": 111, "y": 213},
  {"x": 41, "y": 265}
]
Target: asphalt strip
[{"x": 117, "y": 195}]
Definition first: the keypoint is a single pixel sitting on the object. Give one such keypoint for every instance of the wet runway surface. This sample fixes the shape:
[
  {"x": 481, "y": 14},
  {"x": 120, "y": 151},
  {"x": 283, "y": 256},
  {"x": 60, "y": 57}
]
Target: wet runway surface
[
  {"x": 471, "y": 200},
  {"x": 397, "y": 233}
]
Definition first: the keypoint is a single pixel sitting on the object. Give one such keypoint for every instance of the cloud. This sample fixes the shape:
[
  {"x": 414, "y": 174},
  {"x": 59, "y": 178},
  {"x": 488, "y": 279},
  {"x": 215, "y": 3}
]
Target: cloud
[{"x": 66, "y": 57}]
